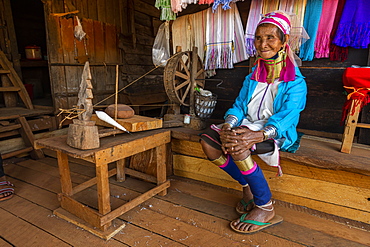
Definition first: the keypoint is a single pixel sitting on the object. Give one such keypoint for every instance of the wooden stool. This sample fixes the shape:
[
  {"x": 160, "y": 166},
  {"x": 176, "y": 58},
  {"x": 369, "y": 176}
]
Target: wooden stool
[{"x": 350, "y": 127}]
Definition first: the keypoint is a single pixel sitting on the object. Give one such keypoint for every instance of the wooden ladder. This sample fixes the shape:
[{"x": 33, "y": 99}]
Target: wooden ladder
[{"x": 11, "y": 84}]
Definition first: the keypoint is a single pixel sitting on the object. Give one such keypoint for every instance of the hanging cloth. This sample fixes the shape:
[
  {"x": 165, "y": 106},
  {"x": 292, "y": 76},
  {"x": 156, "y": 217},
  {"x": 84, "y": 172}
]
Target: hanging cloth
[
  {"x": 286, "y": 5},
  {"x": 270, "y": 6},
  {"x": 354, "y": 25},
  {"x": 311, "y": 24},
  {"x": 176, "y": 6},
  {"x": 199, "y": 31},
  {"x": 219, "y": 39},
  {"x": 254, "y": 17},
  {"x": 240, "y": 54},
  {"x": 205, "y": 1},
  {"x": 337, "y": 53},
  {"x": 166, "y": 12},
  {"x": 225, "y": 4},
  {"x": 182, "y": 33},
  {"x": 329, "y": 7}
]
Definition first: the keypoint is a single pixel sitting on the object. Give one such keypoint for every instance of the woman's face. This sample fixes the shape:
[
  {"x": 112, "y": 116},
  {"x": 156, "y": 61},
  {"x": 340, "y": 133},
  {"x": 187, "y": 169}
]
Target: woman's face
[{"x": 267, "y": 41}]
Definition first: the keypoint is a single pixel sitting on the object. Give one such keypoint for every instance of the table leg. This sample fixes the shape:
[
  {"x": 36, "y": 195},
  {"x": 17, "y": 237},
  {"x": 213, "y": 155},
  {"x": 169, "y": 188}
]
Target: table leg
[
  {"x": 121, "y": 170},
  {"x": 161, "y": 167},
  {"x": 64, "y": 172},
  {"x": 103, "y": 188}
]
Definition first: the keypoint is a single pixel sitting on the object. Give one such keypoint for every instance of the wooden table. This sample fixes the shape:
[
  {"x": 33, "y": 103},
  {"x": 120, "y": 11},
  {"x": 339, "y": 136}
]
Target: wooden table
[{"x": 112, "y": 149}]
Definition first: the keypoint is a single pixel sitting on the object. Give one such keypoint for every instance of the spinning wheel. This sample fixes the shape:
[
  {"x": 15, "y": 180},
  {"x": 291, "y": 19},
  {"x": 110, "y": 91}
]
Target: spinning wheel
[{"x": 179, "y": 75}]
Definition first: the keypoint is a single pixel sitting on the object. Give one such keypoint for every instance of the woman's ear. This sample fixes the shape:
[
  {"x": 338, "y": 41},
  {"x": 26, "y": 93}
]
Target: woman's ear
[{"x": 286, "y": 39}]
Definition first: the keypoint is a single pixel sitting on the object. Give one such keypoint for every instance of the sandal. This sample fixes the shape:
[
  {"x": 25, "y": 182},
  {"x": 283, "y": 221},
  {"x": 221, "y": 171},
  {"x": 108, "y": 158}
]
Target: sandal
[
  {"x": 274, "y": 221},
  {"x": 7, "y": 192},
  {"x": 245, "y": 205}
]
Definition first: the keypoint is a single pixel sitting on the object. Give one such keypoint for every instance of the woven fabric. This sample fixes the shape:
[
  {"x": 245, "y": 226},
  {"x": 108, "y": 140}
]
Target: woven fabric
[
  {"x": 325, "y": 26},
  {"x": 356, "y": 82},
  {"x": 254, "y": 17},
  {"x": 269, "y": 6},
  {"x": 311, "y": 24},
  {"x": 205, "y": 1},
  {"x": 182, "y": 34},
  {"x": 166, "y": 12},
  {"x": 219, "y": 39},
  {"x": 240, "y": 53},
  {"x": 337, "y": 53},
  {"x": 354, "y": 26}
]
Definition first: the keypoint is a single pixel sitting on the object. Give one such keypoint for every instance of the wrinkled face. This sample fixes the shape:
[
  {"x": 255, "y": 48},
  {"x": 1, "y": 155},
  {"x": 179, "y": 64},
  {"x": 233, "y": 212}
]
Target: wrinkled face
[{"x": 267, "y": 40}]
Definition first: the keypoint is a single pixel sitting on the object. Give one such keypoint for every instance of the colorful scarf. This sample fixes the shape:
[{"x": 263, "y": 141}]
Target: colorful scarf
[
  {"x": 356, "y": 81},
  {"x": 325, "y": 26},
  {"x": 225, "y": 4},
  {"x": 337, "y": 53},
  {"x": 166, "y": 12},
  {"x": 311, "y": 24},
  {"x": 354, "y": 25},
  {"x": 254, "y": 17}
]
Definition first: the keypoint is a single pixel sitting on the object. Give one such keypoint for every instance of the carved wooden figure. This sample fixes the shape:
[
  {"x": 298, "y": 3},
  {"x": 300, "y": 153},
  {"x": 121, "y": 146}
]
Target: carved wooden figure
[{"x": 83, "y": 133}]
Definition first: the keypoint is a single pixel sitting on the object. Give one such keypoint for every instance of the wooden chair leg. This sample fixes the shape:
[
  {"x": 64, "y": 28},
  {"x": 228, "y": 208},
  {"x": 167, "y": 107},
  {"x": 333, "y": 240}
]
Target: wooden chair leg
[
  {"x": 350, "y": 128},
  {"x": 28, "y": 138}
]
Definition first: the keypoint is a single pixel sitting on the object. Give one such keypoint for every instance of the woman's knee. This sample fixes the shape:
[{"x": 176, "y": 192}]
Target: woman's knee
[{"x": 211, "y": 152}]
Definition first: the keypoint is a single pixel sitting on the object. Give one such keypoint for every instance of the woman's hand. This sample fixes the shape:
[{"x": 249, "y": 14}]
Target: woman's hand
[{"x": 239, "y": 140}]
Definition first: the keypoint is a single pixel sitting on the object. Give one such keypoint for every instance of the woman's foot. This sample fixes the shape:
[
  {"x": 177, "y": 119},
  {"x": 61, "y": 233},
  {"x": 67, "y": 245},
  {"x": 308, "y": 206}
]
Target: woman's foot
[
  {"x": 261, "y": 214},
  {"x": 246, "y": 204}
]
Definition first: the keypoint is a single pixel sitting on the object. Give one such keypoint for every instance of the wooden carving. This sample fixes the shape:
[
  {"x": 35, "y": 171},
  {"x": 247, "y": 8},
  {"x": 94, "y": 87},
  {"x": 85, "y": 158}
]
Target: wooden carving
[{"x": 83, "y": 134}]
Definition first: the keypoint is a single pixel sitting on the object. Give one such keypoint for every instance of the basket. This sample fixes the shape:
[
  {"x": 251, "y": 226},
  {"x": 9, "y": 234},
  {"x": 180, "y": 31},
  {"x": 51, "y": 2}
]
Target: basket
[{"x": 204, "y": 105}]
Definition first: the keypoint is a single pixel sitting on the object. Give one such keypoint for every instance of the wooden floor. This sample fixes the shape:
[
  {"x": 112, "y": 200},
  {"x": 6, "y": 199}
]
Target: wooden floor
[{"x": 191, "y": 214}]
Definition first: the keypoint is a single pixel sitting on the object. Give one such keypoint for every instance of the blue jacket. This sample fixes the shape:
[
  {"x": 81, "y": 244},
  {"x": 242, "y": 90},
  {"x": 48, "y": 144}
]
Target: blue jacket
[{"x": 290, "y": 100}]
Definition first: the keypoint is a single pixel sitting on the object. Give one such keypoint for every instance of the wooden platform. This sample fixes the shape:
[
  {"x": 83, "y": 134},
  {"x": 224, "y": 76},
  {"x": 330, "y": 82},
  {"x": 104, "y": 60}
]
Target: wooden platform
[
  {"x": 317, "y": 176},
  {"x": 191, "y": 214}
]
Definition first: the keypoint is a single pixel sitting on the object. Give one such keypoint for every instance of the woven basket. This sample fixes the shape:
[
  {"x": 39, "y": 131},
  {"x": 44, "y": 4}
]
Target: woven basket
[{"x": 204, "y": 105}]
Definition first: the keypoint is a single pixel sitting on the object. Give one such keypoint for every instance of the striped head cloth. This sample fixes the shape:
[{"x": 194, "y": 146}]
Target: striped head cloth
[{"x": 279, "y": 19}]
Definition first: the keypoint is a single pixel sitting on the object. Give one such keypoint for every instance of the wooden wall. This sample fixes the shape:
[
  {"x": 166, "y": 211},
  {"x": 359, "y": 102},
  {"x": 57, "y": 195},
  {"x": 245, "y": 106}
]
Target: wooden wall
[{"x": 118, "y": 32}]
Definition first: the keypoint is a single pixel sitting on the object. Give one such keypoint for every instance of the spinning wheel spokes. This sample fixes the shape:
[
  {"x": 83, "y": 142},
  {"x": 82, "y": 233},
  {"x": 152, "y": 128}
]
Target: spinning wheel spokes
[{"x": 177, "y": 77}]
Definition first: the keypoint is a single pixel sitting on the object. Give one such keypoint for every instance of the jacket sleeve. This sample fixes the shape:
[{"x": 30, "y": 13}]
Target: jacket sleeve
[
  {"x": 239, "y": 108},
  {"x": 289, "y": 106}
]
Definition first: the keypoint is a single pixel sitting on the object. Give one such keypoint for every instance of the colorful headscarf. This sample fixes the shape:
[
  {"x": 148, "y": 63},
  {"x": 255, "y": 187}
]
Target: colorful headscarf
[{"x": 285, "y": 67}]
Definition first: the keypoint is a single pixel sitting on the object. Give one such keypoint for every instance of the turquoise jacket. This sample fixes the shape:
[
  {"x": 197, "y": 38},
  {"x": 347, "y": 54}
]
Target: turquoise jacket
[{"x": 290, "y": 100}]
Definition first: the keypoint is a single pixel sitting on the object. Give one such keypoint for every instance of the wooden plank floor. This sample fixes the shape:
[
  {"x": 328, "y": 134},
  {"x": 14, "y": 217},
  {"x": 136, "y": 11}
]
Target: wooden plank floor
[{"x": 192, "y": 214}]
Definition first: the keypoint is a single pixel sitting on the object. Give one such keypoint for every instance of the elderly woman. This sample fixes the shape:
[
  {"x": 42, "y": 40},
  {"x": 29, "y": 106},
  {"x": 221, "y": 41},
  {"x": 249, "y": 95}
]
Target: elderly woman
[{"x": 262, "y": 121}]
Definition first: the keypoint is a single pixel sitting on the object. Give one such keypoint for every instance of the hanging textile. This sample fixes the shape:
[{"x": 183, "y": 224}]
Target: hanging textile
[
  {"x": 286, "y": 5},
  {"x": 219, "y": 39},
  {"x": 205, "y": 1},
  {"x": 182, "y": 34},
  {"x": 329, "y": 7},
  {"x": 199, "y": 31},
  {"x": 356, "y": 82},
  {"x": 189, "y": 31},
  {"x": 270, "y": 6},
  {"x": 225, "y": 4},
  {"x": 254, "y": 17},
  {"x": 337, "y": 53},
  {"x": 300, "y": 34},
  {"x": 311, "y": 24},
  {"x": 166, "y": 12},
  {"x": 354, "y": 26},
  {"x": 176, "y": 6},
  {"x": 240, "y": 54}
]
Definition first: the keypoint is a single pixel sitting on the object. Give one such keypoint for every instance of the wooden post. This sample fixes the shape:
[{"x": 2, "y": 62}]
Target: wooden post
[{"x": 193, "y": 73}]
